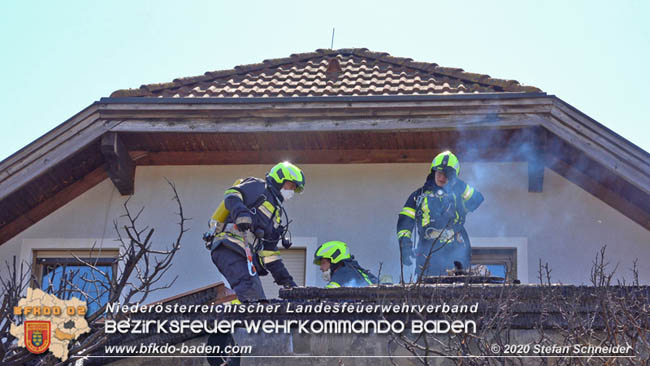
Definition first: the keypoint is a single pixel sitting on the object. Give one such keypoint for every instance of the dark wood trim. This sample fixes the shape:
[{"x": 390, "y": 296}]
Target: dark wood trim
[
  {"x": 611, "y": 152},
  {"x": 184, "y": 109},
  {"x": 535, "y": 176},
  {"x": 347, "y": 156},
  {"x": 333, "y": 98},
  {"x": 71, "y": 261},
  {"x": 617, "y": 201},
  {"x": 119, "y": 165},
  {"x": 626, "y": 167},
  {"x": 323, "y": 116},
  {"x": 603, "y": 136},
  {"x": 59, "y": 150},
  {"x": 321, "y": 123},
  {"x": 51, "y": 204},
  {"x": 604, "y": 183},
  {"x": 48, "y": 141},
  {"x": 536, "y": 139}
]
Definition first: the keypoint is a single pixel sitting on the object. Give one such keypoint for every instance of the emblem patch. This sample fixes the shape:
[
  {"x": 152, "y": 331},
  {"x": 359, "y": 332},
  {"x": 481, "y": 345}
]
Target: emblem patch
[{"x": 37, "y": 335}]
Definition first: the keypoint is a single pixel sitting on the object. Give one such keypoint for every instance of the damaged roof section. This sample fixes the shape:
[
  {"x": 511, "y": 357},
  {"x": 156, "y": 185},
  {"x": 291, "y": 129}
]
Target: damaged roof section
[{"x": 344, "y": 72}]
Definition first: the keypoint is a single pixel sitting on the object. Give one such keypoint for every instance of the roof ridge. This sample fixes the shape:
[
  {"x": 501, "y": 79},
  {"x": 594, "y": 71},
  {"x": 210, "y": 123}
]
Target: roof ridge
[{"x": 384, "y": 57}]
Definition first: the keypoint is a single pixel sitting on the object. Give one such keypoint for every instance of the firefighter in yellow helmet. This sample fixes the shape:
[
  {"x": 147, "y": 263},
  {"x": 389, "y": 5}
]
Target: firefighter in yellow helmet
[
  {"x": 246, "y": 246},
  {"x": 436, "y": 212},
  {"x": 339, "y": 267}
]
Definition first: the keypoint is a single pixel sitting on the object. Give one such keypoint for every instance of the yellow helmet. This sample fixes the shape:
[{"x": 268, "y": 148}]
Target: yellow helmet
[
  {"x": 446, "y": 161},
  {"x": 335, "y": 251},
  {"x": 287, "y": 172}
]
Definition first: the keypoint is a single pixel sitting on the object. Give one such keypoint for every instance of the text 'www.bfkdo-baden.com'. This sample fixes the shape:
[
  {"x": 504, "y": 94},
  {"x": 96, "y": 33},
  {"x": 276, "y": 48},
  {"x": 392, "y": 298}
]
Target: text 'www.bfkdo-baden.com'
[{"x": 171, "y": 349}]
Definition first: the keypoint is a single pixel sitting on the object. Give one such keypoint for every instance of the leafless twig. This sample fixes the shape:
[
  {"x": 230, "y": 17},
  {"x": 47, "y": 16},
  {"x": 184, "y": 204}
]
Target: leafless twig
[{"x": 140, "y": 271}]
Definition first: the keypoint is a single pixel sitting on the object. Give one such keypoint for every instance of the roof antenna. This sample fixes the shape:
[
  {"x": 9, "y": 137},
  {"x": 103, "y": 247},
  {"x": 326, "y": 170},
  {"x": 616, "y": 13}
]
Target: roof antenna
[{"x": 332, "y": 46}]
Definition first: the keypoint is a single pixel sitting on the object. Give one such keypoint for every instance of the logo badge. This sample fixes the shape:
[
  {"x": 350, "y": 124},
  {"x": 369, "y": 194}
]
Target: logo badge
[{"x": 37, "y": 335}]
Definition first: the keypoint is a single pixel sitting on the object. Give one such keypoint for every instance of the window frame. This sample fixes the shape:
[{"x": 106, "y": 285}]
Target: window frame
[
  {"x": 498, "y": 256},
  {"x": 65, "y": 257},
  {"x": 520, "y": 246},
  {"x": 283, "y": 251},
  {"x": 302, "y": 251}
]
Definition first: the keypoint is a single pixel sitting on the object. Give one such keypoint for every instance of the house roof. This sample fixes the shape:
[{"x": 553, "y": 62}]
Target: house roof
[
  {"x": 344, "y": 72},
  {"x": 168, "y": 124}
]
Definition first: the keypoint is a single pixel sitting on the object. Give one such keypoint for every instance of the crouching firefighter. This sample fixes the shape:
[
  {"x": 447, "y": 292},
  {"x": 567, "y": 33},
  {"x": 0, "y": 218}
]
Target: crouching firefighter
[
  {"x": 438, "y": 210},
  {"x": 339, "y": 267},
  {"x": 246, "y": 228}
]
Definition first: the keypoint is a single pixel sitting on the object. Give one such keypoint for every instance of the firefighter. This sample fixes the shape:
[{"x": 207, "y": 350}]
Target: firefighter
[
  {"x": 248, "y": 245},
  {"x": 339, "y": 267},
  {"x": 437, "y": 211}
]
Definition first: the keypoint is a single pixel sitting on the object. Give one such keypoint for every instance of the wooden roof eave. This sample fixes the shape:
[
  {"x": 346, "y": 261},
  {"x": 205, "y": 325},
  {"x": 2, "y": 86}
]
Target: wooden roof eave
[
  {"x": 601, "y": 144},
  {"x": 404, "y": 113},
  {"x": 617, "y": 156},
  {"x": 51, "y": 149},
  {"x": 26, "y": 156},
  {"x": 40, "y": 145},
  {"x": 326, "y": 113},
  {"x": 423, "y": 112},
  {"x": 233, "y": 108}
]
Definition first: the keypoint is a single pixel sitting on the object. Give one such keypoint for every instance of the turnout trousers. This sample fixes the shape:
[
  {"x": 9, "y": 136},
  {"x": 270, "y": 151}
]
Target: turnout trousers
[
  {"x": 442, "y": 258},
  {"x": 234, "y": 267}
]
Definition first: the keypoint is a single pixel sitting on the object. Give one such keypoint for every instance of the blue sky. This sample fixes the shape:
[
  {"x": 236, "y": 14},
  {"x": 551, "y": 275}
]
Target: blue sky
[{"x": 59, "y": 57}]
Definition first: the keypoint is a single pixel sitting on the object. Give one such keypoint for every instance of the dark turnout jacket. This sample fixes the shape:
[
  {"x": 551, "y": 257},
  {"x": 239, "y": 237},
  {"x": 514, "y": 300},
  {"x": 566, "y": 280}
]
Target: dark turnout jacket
[
  {"x": 256, "y": 199},
  {"x": 464, "y": 199},
  {"x": 348, "y": 273}
]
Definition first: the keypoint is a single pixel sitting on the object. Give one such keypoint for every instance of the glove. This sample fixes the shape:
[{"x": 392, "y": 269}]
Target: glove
[
  {"x": 456, "y": 185},
  {"x": 406, "y": 249},
  {"x": 290, "y": 284},
  {"x": 243, "y": 222},
  {"x": 208, "y": 236},
  {"x": 280, "y": 274}
]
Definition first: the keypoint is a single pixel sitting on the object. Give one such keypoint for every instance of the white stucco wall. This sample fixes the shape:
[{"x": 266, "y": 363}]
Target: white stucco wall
[{"x": 564, "y": 225}]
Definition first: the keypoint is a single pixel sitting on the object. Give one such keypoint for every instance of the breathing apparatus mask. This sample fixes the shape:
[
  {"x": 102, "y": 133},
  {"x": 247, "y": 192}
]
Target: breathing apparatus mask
[
  {"x": 327, "y": 275},
  {"x": 287, "y": 193}
]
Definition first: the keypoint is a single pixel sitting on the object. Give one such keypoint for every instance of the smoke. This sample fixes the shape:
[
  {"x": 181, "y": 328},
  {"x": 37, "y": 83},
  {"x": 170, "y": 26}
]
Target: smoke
[{"x": 561, "y": 222}]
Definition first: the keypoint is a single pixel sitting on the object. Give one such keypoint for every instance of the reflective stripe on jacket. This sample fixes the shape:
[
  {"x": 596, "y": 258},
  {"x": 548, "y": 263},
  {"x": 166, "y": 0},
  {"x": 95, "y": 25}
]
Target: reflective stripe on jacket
[
  {"x": 466, "y": 199},
  {"x": 265, "y": 208}
]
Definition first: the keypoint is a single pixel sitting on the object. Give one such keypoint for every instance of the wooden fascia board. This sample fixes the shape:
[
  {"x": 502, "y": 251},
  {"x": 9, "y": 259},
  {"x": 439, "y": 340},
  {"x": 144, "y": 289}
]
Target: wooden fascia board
[
  {"x": 598, "y": 190},
  {"x": 592, "y": 126},
  {"x": 54, "y": 151},
  {"x": 51, "y": 204},
  {"x": 45, "y": 143},
  {"x": 615, "y": 153},
  {"x": 333, "y": 109},
  {"x": 413, "y": 123},
  {"x": 262, "y": 102},
  {"x": 347, "y": 156}
]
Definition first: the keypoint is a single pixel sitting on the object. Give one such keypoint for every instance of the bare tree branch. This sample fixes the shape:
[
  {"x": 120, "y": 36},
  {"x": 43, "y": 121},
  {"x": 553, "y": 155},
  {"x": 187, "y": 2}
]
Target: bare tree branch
[
  {"x": 600, "y": 315},
  {"x": 140, "y": 271}
]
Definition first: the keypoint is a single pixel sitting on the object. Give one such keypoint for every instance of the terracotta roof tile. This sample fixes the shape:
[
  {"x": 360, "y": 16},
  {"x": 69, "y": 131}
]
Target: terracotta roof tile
[{"x": 353, "y": 71}]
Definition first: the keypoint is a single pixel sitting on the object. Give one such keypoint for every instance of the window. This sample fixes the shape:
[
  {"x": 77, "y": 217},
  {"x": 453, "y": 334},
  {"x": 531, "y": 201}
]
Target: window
[
  {"x": 54, "y": 269},
  {"x": 294, "y": 259},
  {"x": 502, "y": 255},
  {"x": 501, "y": 262}
]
